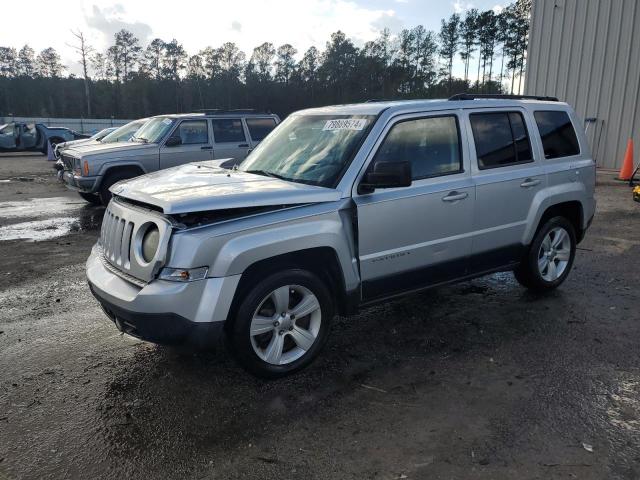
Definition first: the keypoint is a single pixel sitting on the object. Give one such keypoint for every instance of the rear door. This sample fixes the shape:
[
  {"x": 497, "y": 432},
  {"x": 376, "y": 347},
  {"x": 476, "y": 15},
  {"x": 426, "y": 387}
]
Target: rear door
[
  {"x": 195, "y": 144},
  {"x": 230, "y": 139},
  {"x": 28, "y": 136},
  {"x": 507, "y": 178},
  {"x": 420, "y": 235}
]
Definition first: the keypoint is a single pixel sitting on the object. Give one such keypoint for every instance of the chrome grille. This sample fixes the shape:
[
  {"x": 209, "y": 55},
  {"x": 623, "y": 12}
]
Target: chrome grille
[{"x": 115, "y": 239}]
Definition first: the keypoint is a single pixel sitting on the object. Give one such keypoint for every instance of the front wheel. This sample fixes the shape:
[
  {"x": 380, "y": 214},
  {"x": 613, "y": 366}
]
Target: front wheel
[
  {"x": 113, "y": 177},
  {"x": 282, "y": 323},
  {"x": 550, "y": 256}
]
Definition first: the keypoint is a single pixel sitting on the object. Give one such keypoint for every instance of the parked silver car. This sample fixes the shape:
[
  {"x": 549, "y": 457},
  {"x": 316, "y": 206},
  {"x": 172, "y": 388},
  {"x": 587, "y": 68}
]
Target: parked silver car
[
  {"x": 162, "y": 142},
  {"x": 341, "y": 207},
  {"x": 93, "y": 139}
]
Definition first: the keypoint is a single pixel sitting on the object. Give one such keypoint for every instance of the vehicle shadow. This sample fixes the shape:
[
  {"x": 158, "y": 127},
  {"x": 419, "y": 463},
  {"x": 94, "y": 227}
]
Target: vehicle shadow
[{"x": 166, "y": 402}]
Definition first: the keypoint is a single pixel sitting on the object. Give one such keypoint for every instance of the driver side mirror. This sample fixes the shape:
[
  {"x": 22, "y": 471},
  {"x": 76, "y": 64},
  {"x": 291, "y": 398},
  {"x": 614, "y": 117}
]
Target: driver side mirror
[
  {"x": 173, "y": 142},
  {"x": 386, "y": 175}
]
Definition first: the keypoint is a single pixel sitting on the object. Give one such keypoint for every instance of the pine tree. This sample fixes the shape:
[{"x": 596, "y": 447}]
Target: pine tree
[{"x": 449, "y": 42}]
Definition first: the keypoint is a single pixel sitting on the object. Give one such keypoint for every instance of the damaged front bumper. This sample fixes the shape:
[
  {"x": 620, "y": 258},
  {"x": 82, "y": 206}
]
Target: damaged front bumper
[
  {"x": 80, "y": 184},
  {"x": 162, "y": 311}
]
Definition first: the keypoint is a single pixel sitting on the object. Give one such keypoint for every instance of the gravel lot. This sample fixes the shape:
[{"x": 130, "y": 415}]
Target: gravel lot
[{"x": 477, "y": 380}]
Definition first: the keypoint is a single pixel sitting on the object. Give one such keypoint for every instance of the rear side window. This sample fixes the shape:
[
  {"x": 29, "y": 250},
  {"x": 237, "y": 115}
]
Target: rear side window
[
  {"x": 228, "y": 130},
  {"x": 500, "y": 138},
  {"x": 193, "y": 132},
  {"x": 431, "y": 145},
  {"x": 260, "y": 127},
  {"x": 557, "y": 133}
]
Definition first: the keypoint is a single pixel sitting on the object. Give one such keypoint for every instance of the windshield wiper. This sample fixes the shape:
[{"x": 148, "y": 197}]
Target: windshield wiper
[
  {"x": 142, "y": 139},
  {"x": 268, "y": 174}
]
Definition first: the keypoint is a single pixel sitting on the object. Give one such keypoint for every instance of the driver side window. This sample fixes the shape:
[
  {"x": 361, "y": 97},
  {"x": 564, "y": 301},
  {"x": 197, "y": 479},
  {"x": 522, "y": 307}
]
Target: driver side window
[{"x": 431, "y": 145}]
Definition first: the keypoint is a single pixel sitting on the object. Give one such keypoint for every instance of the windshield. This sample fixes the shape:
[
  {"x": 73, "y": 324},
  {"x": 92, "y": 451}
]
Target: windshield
[
  {"x": 123, "y": 133},
  {"x": 313, "y": 149},
  {"x": 154, "y": 130},
  {"x": 102, "y": 133}
]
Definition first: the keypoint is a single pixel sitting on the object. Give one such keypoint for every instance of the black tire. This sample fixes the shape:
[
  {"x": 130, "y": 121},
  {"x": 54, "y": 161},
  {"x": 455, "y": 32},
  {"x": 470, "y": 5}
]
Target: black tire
[
  {"x": 528, "y": 272},
  {"x": 239, "y": 332},
  {"x": 92, "y": 198},
  {"x": 110, "y": 179}
]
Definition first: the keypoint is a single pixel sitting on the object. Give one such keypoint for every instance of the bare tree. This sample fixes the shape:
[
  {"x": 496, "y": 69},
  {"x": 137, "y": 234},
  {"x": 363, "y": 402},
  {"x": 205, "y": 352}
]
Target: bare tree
[{"x": 84, "y": 50}]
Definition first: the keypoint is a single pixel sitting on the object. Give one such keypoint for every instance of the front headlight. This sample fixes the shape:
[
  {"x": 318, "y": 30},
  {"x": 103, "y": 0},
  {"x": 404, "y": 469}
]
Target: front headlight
[
  {"x": 183, "y": 274},
  {"x": 150, "y": 241}
]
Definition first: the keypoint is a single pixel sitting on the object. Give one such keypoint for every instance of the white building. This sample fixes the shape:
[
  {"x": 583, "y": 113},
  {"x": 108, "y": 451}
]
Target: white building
[{"x": 587, "y": 53}]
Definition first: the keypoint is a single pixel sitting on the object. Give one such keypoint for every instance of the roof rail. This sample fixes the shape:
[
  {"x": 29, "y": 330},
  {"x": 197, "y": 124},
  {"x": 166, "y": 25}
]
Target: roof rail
[{"x": 474, "y": 96}]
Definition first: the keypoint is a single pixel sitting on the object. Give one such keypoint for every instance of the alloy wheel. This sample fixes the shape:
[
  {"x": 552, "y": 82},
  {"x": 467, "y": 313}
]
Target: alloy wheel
[
  {"x": 285, "y": 325},
  {"x": 554, "y": 254}
]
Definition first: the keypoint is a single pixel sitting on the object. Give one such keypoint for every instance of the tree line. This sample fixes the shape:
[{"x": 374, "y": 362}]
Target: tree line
[{"x": 130, "y": 80}]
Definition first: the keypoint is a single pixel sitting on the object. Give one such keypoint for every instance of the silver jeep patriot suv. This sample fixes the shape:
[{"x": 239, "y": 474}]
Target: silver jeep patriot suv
[{"x": 340, "y": 207}]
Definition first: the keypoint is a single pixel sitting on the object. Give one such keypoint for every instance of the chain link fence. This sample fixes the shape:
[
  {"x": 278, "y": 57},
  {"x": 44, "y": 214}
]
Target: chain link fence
[{"x": 87, "y": 126}]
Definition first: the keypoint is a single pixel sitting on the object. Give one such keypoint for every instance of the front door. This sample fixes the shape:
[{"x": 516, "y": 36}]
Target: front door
[
  {"x": 507, "y": 179},
  {"x": 8, "y": 135},
  {"x": 420, "y": 235},
  {"x": 195, "y": 144},
  {"x": 230, "y": 139}
]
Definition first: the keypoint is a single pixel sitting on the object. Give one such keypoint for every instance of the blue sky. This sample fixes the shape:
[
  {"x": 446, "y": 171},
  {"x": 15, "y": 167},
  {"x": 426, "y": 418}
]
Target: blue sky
[{"x": 198, "y": 24}]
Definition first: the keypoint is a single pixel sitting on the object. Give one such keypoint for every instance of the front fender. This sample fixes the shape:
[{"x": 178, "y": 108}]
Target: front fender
[{"x": 243, "y": 251}]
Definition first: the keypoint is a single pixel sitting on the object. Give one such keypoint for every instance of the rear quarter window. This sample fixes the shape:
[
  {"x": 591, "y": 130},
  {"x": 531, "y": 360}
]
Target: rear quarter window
[
  {"x": 260, "y": 127},
  {"x": 557, "y": 134}
]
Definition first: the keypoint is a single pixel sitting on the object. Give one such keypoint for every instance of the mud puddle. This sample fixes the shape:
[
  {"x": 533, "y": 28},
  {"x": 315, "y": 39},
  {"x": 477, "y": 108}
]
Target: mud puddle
[
  {"x": 47, "y": 218},
  {"x": 39, "y": 207}
]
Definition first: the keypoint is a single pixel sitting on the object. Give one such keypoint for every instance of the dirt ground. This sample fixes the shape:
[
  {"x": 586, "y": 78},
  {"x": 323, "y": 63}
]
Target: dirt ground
[{"x": 477, "y": 380}]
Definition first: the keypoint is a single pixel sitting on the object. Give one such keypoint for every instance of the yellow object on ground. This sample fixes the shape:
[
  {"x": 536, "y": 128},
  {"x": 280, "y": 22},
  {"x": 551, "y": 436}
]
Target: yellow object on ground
[{"x": 636, "y": 193}]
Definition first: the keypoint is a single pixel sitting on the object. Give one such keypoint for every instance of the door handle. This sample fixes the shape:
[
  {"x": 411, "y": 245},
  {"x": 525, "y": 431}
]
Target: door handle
[
  {"x": 243, "y": 145},
  {"x": 455, "y": 196},
  {"x": 206, "y": 147},
  {"x": 530, "y": 182}
]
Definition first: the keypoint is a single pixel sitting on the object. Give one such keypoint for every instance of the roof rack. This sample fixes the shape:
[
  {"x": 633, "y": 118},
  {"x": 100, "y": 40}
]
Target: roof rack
[
  {"x": 214, "y": 111},
  {"x": 474, "y": 96}
]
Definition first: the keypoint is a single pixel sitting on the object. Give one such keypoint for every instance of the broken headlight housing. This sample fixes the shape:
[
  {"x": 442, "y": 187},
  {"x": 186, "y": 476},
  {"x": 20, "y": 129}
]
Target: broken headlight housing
[{"x": 183, "y": 274}]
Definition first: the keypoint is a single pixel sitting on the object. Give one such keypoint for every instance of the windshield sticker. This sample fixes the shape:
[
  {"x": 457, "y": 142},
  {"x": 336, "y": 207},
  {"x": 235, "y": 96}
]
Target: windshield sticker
[
  {"x": 345, "y": 124},
  {"x": 167, "y": 121}
]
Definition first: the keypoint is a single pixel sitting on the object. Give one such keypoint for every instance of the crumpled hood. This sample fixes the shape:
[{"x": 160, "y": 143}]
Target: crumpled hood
[
  {"x": 202, "y": 186},
  {"x": 89, "y": 150}
]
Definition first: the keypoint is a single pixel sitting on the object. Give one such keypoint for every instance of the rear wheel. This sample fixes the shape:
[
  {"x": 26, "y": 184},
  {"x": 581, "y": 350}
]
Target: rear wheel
[
  {"x": 92, "y": 198},
  {"x": 550, "y": 256},
  {"x": 282, "y": 323},
  {"x": 110, "y": 179}
]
